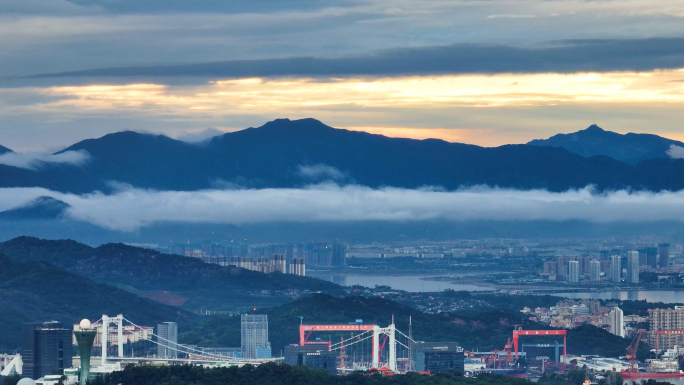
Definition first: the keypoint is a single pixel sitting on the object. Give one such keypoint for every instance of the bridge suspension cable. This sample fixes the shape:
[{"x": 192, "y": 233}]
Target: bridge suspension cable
[
  {"x": 189, "y": 351},
  {"x": 354, "y": 343},
  {"x": 349, "y": 339}
]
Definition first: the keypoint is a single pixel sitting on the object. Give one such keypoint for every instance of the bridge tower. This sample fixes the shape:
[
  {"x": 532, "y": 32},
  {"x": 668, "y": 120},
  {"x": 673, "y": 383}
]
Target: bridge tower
[{"x": 106, "y": 321}]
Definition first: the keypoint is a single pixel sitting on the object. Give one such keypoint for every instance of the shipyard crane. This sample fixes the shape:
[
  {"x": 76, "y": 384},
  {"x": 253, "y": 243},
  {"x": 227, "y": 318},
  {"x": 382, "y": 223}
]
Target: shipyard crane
[{"x": 632, "y": 351}]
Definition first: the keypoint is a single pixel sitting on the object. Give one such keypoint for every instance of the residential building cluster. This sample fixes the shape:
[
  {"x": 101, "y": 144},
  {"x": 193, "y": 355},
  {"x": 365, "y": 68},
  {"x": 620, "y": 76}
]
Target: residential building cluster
[
  {"x": 614, "y": 266},
  {"x": 568, "y": 314}
]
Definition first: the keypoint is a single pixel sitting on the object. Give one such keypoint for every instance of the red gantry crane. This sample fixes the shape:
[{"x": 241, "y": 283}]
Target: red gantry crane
[{"x": 632, "y": 351}]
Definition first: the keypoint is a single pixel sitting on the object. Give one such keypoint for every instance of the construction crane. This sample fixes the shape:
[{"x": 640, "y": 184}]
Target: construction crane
[{"x": 632, "y": 351}]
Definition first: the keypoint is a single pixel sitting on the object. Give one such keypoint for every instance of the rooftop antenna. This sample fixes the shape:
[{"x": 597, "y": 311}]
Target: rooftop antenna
[{"x": 301, "y": 320}]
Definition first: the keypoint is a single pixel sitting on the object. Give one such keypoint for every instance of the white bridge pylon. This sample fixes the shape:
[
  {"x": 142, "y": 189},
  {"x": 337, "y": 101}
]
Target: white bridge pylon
[
  {"x": 106, "y": 321},
  {"x": 390, "y": 331}
]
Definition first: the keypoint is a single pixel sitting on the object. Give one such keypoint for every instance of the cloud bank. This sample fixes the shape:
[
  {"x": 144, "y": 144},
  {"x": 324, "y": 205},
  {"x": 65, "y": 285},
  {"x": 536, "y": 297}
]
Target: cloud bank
[
  {"x": 320, "y": 171},
  {"x": 675, "y": 152},
  {"x": 567, "y": 56},
  {"x": 34, "y": 161},
  {"x": 130, "y": 209}
]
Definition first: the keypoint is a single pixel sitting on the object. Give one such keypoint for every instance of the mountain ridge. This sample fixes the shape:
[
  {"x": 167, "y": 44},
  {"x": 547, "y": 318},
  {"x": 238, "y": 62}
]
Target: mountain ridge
[
  {"x": 27, "y": 294},
  {"x": 189, "y": 281},
  {"x": 275, "y": 154},
  {"x": 630, "y": 148}
]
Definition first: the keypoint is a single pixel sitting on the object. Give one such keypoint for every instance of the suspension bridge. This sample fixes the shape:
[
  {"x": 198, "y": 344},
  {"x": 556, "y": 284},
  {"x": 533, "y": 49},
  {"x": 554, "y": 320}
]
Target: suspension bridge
[
  {"x": 367, "y": 347},
  {"x": 193, "y": 354},
  {"x": 360, "y": 346}
]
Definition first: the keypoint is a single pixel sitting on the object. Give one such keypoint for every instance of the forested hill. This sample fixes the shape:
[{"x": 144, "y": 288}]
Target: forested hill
[
  {"x": 280, "y": 374},
  {"x": 173, "y": 279},
  {"x": 486, "y": 330},
  {"x": 38, "y": 291}
]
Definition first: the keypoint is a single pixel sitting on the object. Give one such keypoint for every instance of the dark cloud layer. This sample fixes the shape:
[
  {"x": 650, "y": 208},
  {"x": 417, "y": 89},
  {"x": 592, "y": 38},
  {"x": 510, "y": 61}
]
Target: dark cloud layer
[
  {"x": 562, "y": 57},
  {"x": 230, "y": 6}
]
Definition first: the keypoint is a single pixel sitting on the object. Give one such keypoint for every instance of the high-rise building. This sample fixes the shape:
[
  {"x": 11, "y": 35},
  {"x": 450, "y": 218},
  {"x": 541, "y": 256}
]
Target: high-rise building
[
  {"x": 666, "y": 319},
  {"x": 633, "y": 266},
  {"x": 652, "y": 257},
  {"x": 254, "y": 336},
  {"x": 46, "y": 349},
  {"x": 595, "y": 271},
  {"x": 550, "y": 267},
  {"x": 585, "y": 265},
  {"x": 297, "y": 266},
  {"x": 573, "y": 271},
  {"x": 617, "y": 323},
  {"x": 279, "y": 262},
  {"x": 643, "y": 258},
  {"x": 663, "y": 255},
  {"x": 167, "y": 340},
  {"x": 339, "y": 256},
  {"x": 562, "y": 266},
  {"x": 616, "y": 268}
]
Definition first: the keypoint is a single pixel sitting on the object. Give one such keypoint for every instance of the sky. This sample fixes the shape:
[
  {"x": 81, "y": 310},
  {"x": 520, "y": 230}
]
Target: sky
[{"x": 485, "y": 72}]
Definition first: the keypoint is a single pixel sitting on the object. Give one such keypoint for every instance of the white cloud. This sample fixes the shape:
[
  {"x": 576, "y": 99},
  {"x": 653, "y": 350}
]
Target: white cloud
[
  {"x": 130, "y": 209},
  {"x": 675, "y": 152},
  {"x": 34, "y": 161},
  {"x": 195, "y": 136},
  {"x": 510, "y": 16},
  {"x": 320, "y": 171}
]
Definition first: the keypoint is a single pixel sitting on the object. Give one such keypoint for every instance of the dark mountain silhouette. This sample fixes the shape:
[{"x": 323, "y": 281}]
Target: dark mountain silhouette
[
  {"x": 629, "y": 148},
  {"x": 39, "y": 208},
  {"x": 171, "y": 279},
  {"x": 4, "y": 150},
  {"x": 285, "y": 153},
  {"x": 39, "y": 291}
]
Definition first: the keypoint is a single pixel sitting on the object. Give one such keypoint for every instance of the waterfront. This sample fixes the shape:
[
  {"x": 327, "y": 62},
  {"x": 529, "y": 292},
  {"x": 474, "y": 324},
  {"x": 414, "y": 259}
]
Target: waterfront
[
  {"x": 664, "y": 296},
  {"x": 410, "y": 283}
]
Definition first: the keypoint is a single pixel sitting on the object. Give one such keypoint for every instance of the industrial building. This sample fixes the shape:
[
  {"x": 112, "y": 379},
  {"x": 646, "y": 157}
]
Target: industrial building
[
  {"x": 435, "y": 357},
  {"x": 312, "y": 356}
]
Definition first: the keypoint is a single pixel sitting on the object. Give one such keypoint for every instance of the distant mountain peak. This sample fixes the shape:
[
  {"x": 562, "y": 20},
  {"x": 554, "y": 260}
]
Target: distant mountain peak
[
  {"x": 285, "y": 123},
  {"x": 40, "y": 208},
  {"x": 594, "y": 140},
  {"x": 4, "y": 150},
  {"x": 594, "y": 128}
]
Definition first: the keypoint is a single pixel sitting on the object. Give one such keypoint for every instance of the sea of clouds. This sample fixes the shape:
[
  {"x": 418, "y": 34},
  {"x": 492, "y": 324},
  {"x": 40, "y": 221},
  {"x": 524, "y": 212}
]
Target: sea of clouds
[{"x": 130, "y": 208}]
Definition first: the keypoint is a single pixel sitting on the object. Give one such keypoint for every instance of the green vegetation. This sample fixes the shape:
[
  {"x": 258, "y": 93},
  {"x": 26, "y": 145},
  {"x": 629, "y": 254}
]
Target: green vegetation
[
  {"x": 37, "y": 291},
  {"x": 171, "y": 279},
  {"x": 280, "y": 374},
  {"x": 588, "y": 339},
  {"x": 483, "y": 331}
]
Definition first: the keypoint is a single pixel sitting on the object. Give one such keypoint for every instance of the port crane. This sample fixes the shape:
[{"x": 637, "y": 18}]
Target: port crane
[{"x": 632, "y": 351}]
